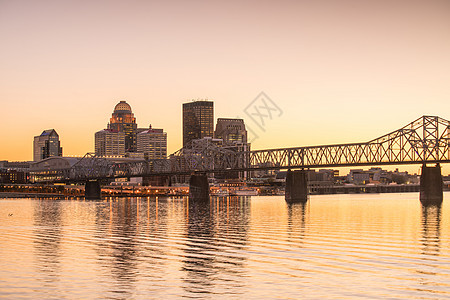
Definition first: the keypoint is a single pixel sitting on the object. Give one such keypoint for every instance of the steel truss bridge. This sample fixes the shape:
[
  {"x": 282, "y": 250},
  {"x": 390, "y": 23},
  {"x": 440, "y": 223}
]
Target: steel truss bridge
[{"x": 425, "y": 140}]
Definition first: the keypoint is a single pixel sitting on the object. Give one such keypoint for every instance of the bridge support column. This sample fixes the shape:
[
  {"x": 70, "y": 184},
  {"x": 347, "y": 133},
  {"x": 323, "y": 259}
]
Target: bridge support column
[
  {"x": 431, "y": 185},
  {"x": 296, "y": 186},
  {"x": 198, "y": 188},
  {"x": 92, "y": 190}
]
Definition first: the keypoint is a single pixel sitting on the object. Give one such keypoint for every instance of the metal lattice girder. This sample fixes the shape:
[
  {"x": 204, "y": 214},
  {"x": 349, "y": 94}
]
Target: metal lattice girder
[
  {"x": 90, "y": 166},
  {"x": 424, "y": 140},
  {"x": 204, "y": 155}
]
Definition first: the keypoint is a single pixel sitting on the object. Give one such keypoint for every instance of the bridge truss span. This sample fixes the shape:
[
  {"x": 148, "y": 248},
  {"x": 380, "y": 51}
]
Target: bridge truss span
[
  {"x": 91, "y": 166},
  {"x": 426, "y": 140}
]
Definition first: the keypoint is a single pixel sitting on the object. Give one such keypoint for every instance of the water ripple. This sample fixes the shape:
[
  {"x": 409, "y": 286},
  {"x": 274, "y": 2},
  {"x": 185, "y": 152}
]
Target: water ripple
[{"x": 365, "y": 246}]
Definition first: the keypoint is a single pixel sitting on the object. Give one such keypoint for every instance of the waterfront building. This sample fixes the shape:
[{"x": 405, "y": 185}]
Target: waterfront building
[
  {"x": 373, "y": 175},
  {"x": 231, "y": 131},
  {"x": 13, "y": 176},
  {"x": 198, "y": 120},
  {"x": 123, "y": 120},
  {"x": 46, "y": 145},
  {"x": 110, "y": 142},
  {"x": 358, "y": 176},
  {"x": 153, "y": 143}
]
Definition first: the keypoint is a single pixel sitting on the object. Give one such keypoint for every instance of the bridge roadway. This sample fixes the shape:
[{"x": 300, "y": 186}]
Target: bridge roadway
[{"x": 423, "y": 141}]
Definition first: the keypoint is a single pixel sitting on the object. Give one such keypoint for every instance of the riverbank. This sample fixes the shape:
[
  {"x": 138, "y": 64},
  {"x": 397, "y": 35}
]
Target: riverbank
[{"x": 31, "y": 195}]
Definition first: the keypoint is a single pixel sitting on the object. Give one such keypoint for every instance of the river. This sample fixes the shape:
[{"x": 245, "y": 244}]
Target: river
[{"x": 334, "y": 247}]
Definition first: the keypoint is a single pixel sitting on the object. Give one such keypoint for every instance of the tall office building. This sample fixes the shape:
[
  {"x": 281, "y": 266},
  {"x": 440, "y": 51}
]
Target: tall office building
[
  {"x": 198, "y": 120},
  {"x": 153, "y": 143},
  {"x": 231, "y": 131},
  {"x": 46, "y": 145},
  {"x": 109, "y": 142},
  {"x": 123, "y": 120}
]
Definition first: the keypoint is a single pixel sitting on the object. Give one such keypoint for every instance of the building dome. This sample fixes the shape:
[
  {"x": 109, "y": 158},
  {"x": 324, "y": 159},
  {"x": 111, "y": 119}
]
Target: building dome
[{"x": 122, "y": 106}]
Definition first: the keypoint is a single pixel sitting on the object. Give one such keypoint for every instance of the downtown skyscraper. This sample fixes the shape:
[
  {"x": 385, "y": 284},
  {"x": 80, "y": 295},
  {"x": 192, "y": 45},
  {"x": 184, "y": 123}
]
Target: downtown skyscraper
[
  {"x": 198, "y": 120},
  {"x": 123, "y": 120},
  {"x": 46, "y": 145}
]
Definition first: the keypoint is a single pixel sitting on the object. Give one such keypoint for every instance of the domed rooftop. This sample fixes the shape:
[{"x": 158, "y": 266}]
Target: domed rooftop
[{"x": 122, "y": 106}]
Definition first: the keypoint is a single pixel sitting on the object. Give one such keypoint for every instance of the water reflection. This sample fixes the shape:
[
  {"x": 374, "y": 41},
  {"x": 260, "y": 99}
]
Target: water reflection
[
  {"x": 296, "y": 221},
  {"x": 118, "y": 247},
  {"x": 47, "y": 239},
  {"x": 199, "y": 253},
  {"x": 431, "y": 222},
  {"x": 431, "y": 227},
  {"x": 154, "y": 229},
  {"x": 338, "y": 247},
  {"x": 216, "y": 236}
]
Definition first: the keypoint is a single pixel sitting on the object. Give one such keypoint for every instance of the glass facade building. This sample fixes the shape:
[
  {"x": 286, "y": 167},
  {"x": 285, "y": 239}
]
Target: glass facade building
[
  {"x": 46, "y": 145},
  {"x": 198, "y": 120}
]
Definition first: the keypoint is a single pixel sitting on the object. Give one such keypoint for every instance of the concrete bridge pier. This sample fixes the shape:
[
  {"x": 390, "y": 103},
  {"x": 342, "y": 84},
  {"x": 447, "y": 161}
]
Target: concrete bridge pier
[
  {"x": 92, "y": 190},
  {"x": 431, "y": 185},
  {"x": 198, "y": 188},
  {"x": 296, "y": 190}
]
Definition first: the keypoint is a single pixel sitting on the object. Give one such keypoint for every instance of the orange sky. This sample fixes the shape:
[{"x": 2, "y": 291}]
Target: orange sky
[{"x": 341, "y": 71}]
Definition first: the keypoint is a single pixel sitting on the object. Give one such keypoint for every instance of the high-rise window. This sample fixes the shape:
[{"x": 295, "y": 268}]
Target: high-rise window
[{"x": 198, "y": 120}]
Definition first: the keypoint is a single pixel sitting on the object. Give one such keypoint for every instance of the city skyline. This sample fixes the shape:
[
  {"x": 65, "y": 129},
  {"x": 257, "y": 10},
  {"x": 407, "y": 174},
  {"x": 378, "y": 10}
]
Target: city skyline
[
  {"x": 227, "y": 130},
  {"x": 340, "y": 72}
]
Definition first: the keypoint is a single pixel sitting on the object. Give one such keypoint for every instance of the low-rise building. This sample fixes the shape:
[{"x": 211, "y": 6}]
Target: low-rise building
[{"x": 13, "y": 176}]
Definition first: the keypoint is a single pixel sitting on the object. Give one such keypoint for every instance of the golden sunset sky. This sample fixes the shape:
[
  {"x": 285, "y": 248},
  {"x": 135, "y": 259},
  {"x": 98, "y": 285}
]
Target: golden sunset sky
[{"x": 341, "y": 71}]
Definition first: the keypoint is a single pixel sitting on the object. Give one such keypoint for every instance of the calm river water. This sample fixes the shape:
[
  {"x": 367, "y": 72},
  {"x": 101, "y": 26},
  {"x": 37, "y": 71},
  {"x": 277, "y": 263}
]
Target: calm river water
[{"x": 335, "y": 246}]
